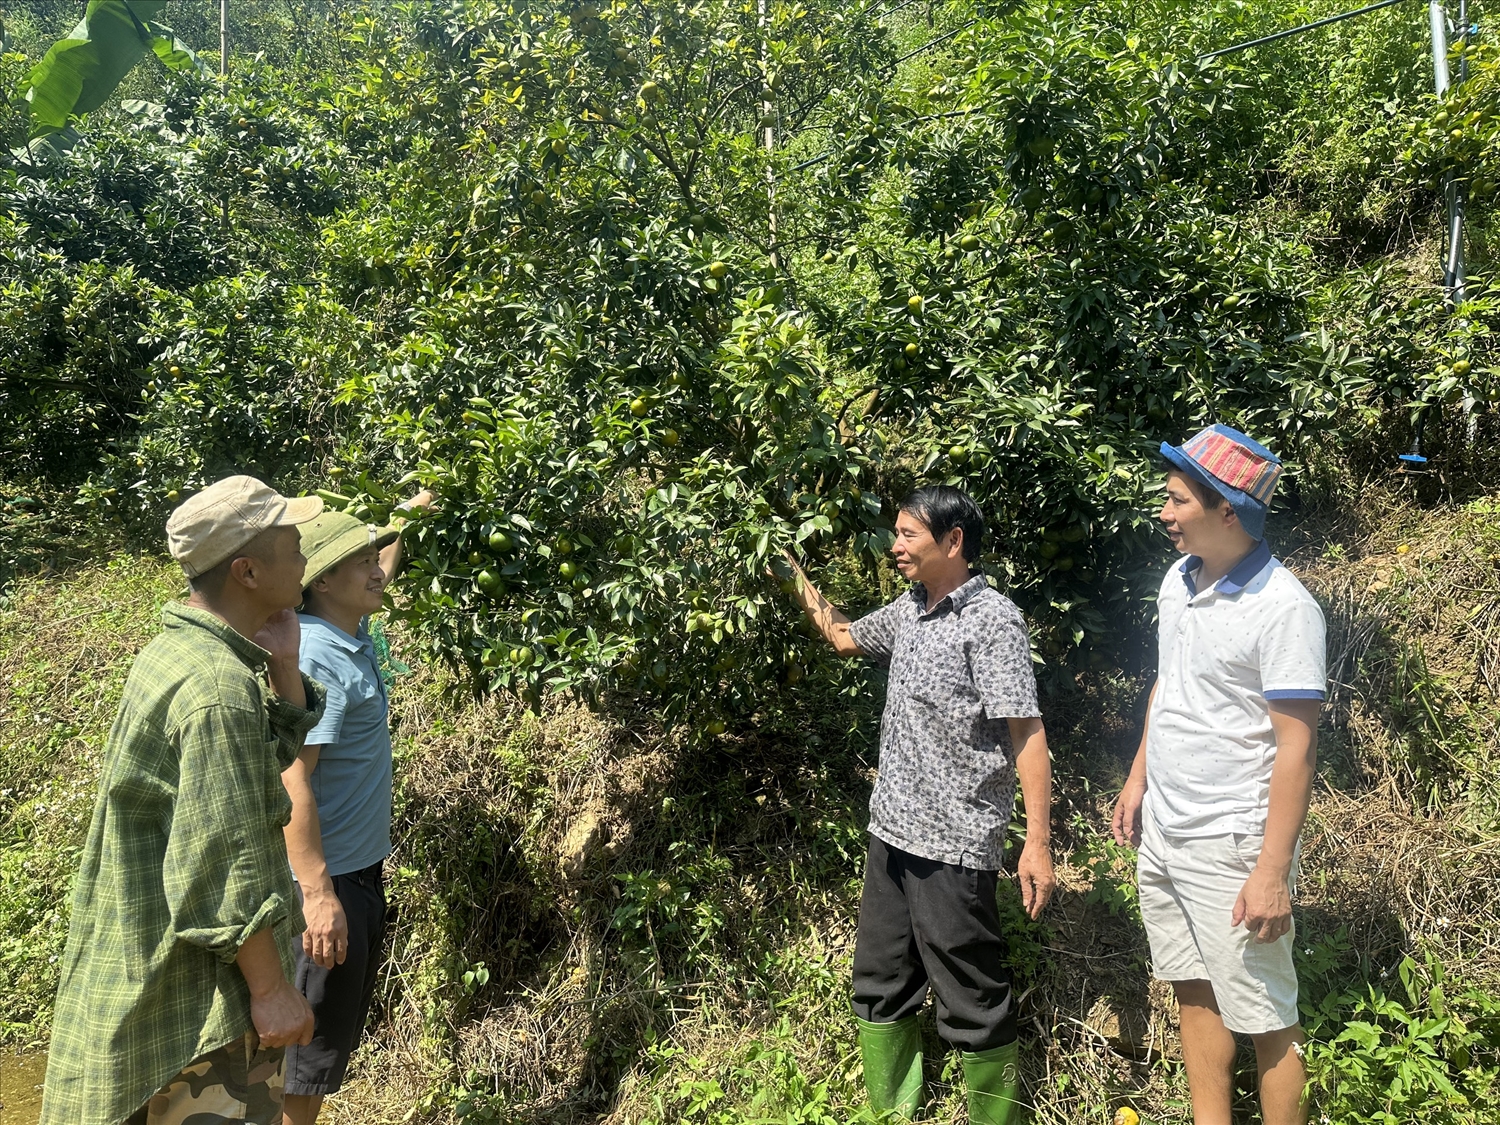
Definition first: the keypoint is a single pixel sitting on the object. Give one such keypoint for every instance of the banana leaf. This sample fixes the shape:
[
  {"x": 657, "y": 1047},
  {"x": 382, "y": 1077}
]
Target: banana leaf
[{"x": 79, "y": 73}]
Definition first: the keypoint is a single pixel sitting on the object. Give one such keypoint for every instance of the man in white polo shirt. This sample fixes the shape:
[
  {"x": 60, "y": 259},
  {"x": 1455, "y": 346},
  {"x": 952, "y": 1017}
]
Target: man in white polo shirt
[{"x": 1220, "y": 786}]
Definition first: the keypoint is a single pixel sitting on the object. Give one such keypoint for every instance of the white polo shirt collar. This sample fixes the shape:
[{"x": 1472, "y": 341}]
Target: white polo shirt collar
[{"x": 1240, "y": 575}]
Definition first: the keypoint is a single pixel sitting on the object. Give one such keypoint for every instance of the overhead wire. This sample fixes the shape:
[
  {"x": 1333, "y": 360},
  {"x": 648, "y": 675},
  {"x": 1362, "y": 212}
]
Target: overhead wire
[
  {"x": 1299, "y": 29},
  {"x": 821, "y": 157},
  {"x": 1232, "y": 49}
]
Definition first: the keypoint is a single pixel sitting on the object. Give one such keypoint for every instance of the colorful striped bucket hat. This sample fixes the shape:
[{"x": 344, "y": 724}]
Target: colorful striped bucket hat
[{"x": 1239, "y": 469}]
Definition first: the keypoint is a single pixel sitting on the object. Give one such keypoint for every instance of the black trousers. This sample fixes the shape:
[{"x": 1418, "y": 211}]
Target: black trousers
[
  {"x": 340, "y": 996},
  {"x": 926, "y": 923}
]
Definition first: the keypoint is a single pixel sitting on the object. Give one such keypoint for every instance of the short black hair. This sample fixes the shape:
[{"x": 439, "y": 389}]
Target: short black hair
[
  {"x": 1210, "y": 497},
  {"x": 942, "y": 508},
  {"x": 210, "y": 584}
]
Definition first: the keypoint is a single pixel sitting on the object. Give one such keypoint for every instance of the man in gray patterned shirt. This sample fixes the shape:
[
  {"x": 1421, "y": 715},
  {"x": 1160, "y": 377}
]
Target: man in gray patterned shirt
[{"x": 961, "y": 725}]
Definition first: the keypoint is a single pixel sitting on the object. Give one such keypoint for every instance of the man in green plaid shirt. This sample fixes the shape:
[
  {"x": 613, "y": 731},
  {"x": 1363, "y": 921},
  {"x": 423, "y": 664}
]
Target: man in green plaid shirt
[{"x": 175, "y": 1004}]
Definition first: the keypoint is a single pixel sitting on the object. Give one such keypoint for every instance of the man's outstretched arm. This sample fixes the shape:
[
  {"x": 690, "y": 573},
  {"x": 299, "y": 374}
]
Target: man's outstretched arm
[{"x": 832, "y": 623}]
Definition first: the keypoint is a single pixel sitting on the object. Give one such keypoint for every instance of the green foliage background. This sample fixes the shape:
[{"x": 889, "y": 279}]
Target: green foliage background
[
  {"x": 646, "y": 292},
  {"x": 455, "y": 246}
]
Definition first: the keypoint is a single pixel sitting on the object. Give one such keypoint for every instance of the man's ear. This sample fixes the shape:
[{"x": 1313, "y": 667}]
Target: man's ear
[
  {"x": 245, "y": 570},
  {"x": 1229, "y": 515},
  {"x": 955, "y": 544}
]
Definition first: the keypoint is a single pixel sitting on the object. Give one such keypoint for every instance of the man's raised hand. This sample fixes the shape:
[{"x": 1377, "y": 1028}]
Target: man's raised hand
[{"x": 280, "y": 635}]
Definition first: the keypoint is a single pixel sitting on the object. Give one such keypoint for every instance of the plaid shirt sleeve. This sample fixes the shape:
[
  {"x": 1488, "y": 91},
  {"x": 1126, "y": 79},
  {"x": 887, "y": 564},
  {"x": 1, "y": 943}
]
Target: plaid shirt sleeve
[
  {"x": 290, "y": 723},
  {"x": 220, "y": 859}
]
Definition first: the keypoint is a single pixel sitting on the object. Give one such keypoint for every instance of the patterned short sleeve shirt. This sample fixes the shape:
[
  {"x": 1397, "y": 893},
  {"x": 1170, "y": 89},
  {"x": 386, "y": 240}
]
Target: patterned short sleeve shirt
[{"x": 947, "y": 768}]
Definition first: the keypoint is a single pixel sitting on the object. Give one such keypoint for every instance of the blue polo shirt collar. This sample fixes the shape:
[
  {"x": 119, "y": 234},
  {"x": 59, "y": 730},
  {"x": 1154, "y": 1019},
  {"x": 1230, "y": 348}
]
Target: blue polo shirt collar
[
  {"x": 344, "y": 640},
  {"x": 1238, "y": 577}
]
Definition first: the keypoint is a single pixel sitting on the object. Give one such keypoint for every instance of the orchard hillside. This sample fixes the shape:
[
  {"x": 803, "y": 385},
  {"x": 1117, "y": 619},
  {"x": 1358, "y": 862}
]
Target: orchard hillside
[{"x": 646, "y": 292}]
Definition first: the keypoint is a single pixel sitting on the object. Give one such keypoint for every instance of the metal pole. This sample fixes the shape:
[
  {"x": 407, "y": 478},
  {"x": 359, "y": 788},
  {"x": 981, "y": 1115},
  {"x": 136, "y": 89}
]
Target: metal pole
[
  {"x": 1439, "y": 22},
  {"x": 768, "y": 113},
  {"x": 224, "y": 77},
  {"x": 1453, "y": 193},
  {"x": 1457, "y": 189}
]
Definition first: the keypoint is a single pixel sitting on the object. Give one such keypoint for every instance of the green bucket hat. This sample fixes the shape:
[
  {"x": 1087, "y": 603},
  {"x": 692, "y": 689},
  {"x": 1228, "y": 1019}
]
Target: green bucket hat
[{"x": 336, "y": 536}]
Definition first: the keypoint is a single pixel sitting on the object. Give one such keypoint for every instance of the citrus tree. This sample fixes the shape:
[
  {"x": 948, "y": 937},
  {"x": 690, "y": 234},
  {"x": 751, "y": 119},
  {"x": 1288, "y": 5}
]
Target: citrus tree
[
  {"x": 648, "y": 292},
  {"x": 652, "y": 348}
]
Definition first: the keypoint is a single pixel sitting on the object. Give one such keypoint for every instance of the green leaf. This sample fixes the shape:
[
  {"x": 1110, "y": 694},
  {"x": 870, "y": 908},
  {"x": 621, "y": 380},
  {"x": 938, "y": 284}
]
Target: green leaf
[{"x": 79, "y": 73}]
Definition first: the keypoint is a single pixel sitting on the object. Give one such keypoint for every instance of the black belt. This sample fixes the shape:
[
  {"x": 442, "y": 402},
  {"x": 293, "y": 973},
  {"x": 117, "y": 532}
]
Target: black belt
[{"x": 372, "y": 876}]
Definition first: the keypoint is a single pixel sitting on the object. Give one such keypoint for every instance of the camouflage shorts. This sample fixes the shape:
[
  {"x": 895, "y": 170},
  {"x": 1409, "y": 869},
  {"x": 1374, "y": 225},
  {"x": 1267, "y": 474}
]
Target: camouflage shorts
[{"x": 239, "y": 1084}]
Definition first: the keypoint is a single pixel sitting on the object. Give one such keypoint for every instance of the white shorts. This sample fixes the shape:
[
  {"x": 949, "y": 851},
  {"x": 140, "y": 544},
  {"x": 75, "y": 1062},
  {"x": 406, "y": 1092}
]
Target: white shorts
[{"x": 1188, "y": 887}]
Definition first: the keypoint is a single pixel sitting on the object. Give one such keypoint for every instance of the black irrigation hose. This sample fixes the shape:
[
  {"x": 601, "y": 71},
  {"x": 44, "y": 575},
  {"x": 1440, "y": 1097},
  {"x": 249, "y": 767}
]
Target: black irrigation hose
[
  {"x": 941, "y": 39},
  {"x": 899, "y": 7}
]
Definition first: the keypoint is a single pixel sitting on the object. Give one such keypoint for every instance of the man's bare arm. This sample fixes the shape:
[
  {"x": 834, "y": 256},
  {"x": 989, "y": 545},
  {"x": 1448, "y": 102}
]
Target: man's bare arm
[
  {"x": 1295, "y": 723},
  {"x": 1265, "y": 902},
  {"x": 1034, "y": 771},
  {"x": 326, "y": 938},
  {"x": 831, "y": 622},
  {"x": 390, "y": 554},
  {"x": 278, "y": 1011}
]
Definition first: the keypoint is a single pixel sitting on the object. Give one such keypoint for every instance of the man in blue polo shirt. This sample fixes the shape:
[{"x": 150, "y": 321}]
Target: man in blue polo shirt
[
  {"x": 340, "y": 786},
  {"x": 1220, "y": 786}
]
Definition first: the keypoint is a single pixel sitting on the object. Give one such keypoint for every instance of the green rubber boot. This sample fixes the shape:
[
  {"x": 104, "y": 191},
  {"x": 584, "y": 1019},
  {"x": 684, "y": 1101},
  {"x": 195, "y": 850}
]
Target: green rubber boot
[
  {"x": 892, "y": 1054},
  {"x": 994, "y": 1081}
]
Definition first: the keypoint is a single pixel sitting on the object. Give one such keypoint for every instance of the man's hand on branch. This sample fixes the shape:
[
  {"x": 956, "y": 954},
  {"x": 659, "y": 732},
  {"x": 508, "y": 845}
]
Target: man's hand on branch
[{"x": 422, "y": 501}]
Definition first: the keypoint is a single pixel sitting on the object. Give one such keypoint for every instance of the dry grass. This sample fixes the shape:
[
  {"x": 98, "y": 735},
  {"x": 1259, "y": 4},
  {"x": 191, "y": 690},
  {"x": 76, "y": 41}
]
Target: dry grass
[{"x": 659, "y": 921}]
